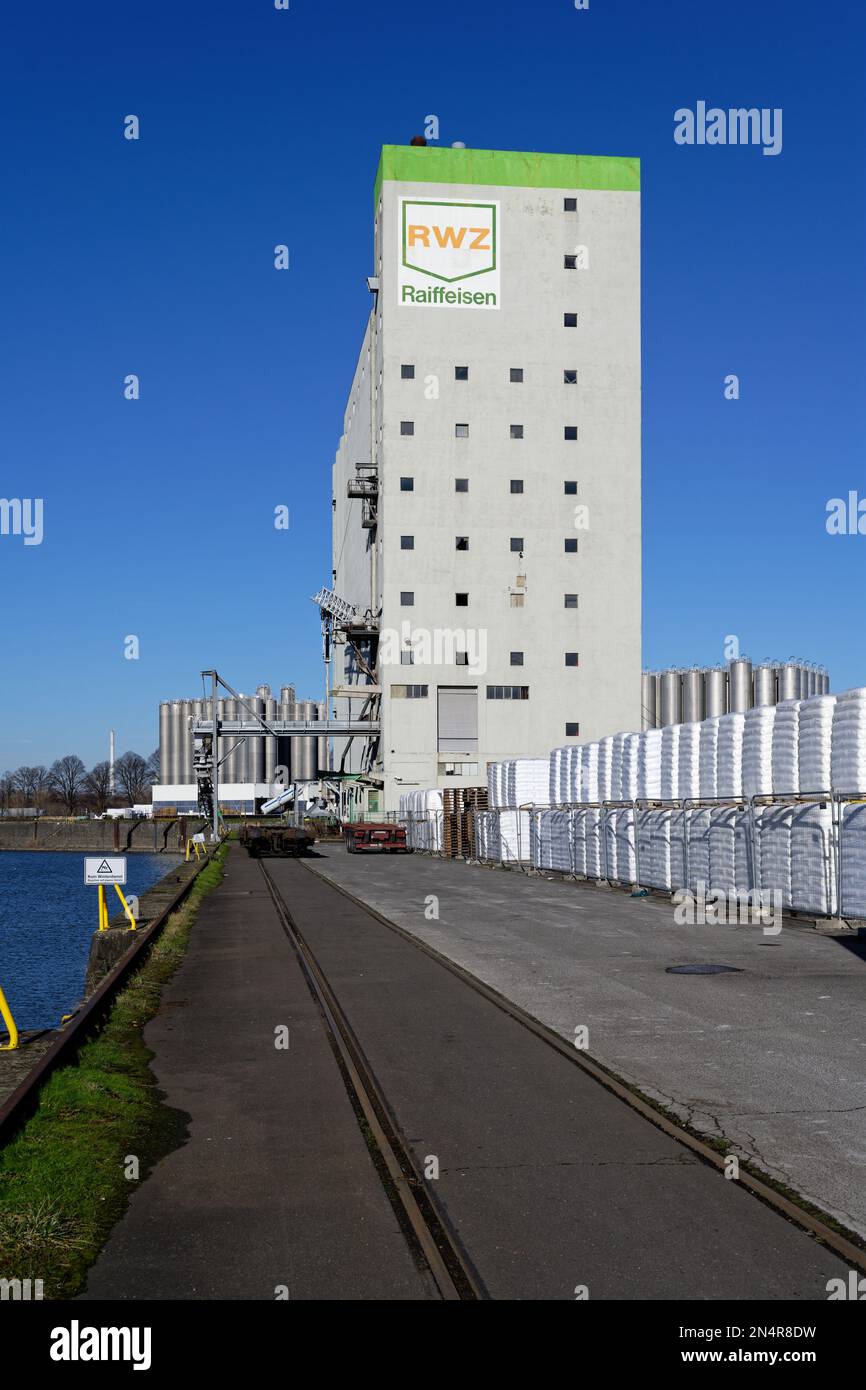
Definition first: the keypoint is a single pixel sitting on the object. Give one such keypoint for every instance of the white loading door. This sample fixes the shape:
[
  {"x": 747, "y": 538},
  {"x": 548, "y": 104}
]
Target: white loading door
[{"x": 458, "y": 718}]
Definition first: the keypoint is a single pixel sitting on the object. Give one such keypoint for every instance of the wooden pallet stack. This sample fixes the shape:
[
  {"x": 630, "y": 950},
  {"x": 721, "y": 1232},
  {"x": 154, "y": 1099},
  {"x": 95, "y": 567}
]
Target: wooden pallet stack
[{"x": 459, "y": 805}]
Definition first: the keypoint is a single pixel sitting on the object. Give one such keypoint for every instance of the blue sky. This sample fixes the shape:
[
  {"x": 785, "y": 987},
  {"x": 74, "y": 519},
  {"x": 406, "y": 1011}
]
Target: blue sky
[{"x": 261, "y": 126}]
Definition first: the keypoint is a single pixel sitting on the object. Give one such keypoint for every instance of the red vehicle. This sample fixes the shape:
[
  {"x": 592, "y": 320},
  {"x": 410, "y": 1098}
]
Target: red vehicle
[{"x": 369, "y": 837}]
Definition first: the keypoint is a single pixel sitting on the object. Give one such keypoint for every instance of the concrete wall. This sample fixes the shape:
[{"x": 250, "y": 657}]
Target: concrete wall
[{"x": 117, "y": 836}]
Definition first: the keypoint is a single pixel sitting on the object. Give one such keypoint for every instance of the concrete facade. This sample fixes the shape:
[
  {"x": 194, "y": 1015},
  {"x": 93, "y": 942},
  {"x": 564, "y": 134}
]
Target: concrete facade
[{"x": 504, "y": 425}]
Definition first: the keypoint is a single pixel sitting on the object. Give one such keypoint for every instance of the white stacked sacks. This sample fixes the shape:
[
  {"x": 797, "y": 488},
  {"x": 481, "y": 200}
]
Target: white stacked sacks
[
  {"x": 594, "y": 867},
  {"x": 528, "y": 781},
  {"x": 550, "y": 840},
  {"x": 670, "y": 762},
  {"x": 650, "y": 765},
  {"x": 578, "y": 841},
  {"x": 786, "y": 748},
  {"x": 588, "y": 786},
  {"x": 729, "y": 756},
  {"x": 679, "y": 831},
  {"x": 698, "y": 838},
  {"x": 730, "y": 850},
  {"x": 571, "y": 791},
  {"x": 609, "y": 868},
  {"x": 605, "y": 768},
  {"x": 617, "y": 752},
  {"x": 556, "y": 758},
  {"x": 631, "y": 750},
  {"x": 816, "y": 744},
  {"x": 513, "y": 837},
  {"x": 688, "y": 772},
  {"x": 709, "y": 758},
  {"x": 656, "y": 858},
  {"x": 848, "y": 756},
  {"x": 774, "y": 849},
  {"x": 813, "y": 859},
  {"x": 853, "y": 848},
  {"x": 626, "y": 863},
  {"x": 758, "y": 751}
]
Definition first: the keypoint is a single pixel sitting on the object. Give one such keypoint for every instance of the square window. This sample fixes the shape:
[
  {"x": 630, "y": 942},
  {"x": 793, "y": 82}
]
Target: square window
[
  {"x": 569, "y": 262},
  {"x": 569, "y": 376},
  {"x": 571, "y": 600},
  {"x": 461, "y": 484},
  {"x": 569, "y": 205},
  {"x": 461, "y": 431},
  {"x": 407, "y": 598},
  {"x": 571, "y": 431},
  {"x": 516, "y": 600},
  {"x": 407, "y": 658},
  {"x": 461, "y": 542},
  {"x": 407, "y": 427},
  {"x": 516, "y": 484},
  {"x": 516, "y": 374},
  {"x": 517, "y": 658},
  {"x": 571, "y": 545},
  {"x": 407, "y": 542},
  {"x": 516, "y": 431},
  {"x": 461, "y": 658},
  {"x": 571, "y": 658},
  {"x": 517, "y": 543},
  {"x": 462, "y": 600},
  {"x": 572, "y": 730},
  {"x": 407, "y": 371},
  {"x": 570, "y": 320},
  {"x": 570, "y": 485},
  {"x": 407, "y": 484},
  {"x": 461, "y": 373}
]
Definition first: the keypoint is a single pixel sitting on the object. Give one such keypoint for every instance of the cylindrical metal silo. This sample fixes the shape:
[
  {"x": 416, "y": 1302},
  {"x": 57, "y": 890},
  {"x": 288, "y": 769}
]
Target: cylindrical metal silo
[
  {"x": 693, "y": 696},
  {"x": 671, "y": 697},
  {"x": 189, "y": 776},
  {"x": 164, "y": 740},
  {"x": 321, "y": 743},
  {"x": 789, "y": 681},
  {"x": 177, "y": 740},
  {"x": 825, "y": 683},
  {"x": 739, "y": 685},
  {"x": 244, "y": 752},
  {"x": 270, "y": 743},
  {"x": 287, "y": 694},
  {"x": 263, "y": 692},
  {"x": 648, "y": 700},
  {"x": 715, "y": 692},
  {"x": 764, "y": 682},
  {"x": 306, "y": 747},
  {"x": 256, "y": 755},
  {"x": 288, "y": 749}
]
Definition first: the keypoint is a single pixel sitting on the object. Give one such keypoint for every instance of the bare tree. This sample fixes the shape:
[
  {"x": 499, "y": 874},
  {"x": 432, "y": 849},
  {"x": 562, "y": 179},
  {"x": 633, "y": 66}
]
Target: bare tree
[
  {"x": 153, "y": 767},
  {"x": 6, "y": 791},
  {"x": 97, "y": 784},
  {"x": 130, "y": 774},
  {"x": 26, "y": 781},
  {"x": 67, "y": 780}
]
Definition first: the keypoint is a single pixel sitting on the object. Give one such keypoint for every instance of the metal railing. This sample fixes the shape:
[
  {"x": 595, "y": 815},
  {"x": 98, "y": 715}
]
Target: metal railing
[{"x": 641, "y": 807}]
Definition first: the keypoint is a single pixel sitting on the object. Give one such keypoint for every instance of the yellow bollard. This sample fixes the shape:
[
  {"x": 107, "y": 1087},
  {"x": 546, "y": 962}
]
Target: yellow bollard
[
  {"x": 103, "y": 908},
  {"x": 10, "y": 1025},
  {"x": 127, "y": 909}
]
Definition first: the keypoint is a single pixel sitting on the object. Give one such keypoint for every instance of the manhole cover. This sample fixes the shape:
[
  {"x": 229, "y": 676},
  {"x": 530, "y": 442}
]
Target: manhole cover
[{"x": 703, "y": 970}]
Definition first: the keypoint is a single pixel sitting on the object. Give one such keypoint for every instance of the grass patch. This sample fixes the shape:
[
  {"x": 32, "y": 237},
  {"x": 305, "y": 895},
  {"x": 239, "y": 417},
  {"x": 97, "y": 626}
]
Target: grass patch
[{"x": 63, "y": 1182}]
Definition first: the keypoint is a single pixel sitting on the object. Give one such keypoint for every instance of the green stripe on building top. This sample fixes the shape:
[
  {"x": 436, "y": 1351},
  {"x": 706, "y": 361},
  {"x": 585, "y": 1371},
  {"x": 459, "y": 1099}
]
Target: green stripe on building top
[{"x": 508, "y": 168}]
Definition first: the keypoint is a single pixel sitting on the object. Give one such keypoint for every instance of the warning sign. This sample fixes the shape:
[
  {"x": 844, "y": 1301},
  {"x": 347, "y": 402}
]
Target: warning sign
[{"x": 104, "y": 870}]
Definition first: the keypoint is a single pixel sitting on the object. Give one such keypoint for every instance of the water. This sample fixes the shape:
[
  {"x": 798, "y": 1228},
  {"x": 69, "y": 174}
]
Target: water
[{"x": 47, "y": 917}]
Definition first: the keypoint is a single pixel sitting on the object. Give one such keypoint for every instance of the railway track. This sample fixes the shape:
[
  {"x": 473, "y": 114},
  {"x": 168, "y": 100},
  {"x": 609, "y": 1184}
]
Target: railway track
[
  {"x": 417, "y": 1210},
  {"x": 441, "y": 1245}
]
